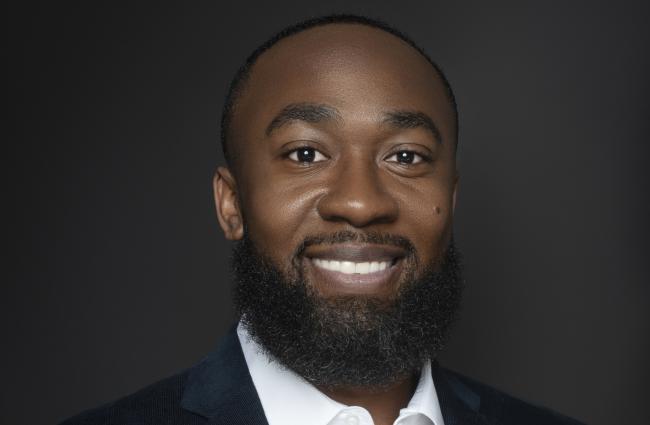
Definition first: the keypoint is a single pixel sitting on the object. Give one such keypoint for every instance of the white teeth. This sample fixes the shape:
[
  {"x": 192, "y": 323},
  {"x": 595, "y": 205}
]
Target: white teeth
[
  {"x": 362, "y": 268},
  {"x": 349, "y": 267}
]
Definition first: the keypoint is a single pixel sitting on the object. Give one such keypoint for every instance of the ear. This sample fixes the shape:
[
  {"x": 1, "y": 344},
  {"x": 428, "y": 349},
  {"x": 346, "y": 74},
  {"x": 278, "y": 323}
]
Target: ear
[{"x": 227, "y": 204}]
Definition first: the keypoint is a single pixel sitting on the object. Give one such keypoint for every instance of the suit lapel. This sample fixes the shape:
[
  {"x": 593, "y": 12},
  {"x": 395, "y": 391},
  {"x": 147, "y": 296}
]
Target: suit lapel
[
  {"x": 459, "y": 404},
  {"x": 221, "y": 389}
]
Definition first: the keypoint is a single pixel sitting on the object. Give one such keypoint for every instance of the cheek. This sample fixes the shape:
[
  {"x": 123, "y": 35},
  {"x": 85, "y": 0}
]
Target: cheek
[
  {"x": 428, "y": 218},
  {"x": 275, "y": 214}
]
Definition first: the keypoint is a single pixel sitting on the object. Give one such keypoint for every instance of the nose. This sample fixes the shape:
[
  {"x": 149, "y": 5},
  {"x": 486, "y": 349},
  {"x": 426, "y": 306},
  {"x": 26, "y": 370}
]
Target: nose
[{"x": 358, "y": 197}]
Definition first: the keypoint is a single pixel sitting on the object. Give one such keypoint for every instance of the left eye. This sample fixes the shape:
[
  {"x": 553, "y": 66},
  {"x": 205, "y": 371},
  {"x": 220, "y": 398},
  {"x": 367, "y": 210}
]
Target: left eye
[
  {"x": 405, "y": 157},
  {"x": 306, "y": 155}
]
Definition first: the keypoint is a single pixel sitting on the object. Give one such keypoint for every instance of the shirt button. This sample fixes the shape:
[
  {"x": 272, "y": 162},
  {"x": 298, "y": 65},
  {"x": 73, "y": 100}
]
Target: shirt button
[{"x": 352, "y": 420}]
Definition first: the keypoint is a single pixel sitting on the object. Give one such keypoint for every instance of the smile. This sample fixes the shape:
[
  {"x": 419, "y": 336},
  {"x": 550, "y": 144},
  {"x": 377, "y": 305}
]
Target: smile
[
  {"x": 352, "y": 268},
  {"x": 349, "y": 267}
]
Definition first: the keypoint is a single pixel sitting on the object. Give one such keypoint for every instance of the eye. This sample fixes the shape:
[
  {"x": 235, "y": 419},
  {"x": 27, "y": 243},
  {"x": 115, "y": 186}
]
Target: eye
[
  {"x": 306, "y": 154},
  {"x": 405, "y": 157}
]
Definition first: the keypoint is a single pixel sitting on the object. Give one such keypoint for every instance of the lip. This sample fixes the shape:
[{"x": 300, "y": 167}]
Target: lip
[
  {"x": 331, "y": 282},
  {"x": 355, "y": 252}
]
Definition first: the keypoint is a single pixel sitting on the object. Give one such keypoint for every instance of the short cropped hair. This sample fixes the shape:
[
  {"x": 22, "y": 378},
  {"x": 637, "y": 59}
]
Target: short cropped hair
[{"x": 243, "y": 73}]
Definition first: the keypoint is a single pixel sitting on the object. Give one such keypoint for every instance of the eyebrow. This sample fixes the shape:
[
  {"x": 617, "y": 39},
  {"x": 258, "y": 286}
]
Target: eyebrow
[
  {"x": 316, "y": 112},
  {"x": 413, "y": 119},
  {"x": 308, "y": 112}
]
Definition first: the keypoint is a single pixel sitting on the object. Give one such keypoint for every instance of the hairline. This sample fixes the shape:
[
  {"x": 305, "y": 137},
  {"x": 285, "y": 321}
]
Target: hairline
[{"x": 244, "y": 72}]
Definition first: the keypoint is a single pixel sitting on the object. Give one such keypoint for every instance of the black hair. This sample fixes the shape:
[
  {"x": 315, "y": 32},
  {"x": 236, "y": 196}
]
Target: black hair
[{"x": 243, "y": 73}]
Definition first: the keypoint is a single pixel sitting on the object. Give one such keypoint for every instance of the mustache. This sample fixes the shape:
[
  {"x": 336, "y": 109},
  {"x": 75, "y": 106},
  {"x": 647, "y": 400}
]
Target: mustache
[{"x": 344, "y": 236}]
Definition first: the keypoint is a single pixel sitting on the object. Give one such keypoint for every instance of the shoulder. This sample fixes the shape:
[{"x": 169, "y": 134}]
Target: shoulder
[
  {"x": 157, "y": 403},
  {"x": 499, "y": 407},
  {"x": 218, "y": 389}
]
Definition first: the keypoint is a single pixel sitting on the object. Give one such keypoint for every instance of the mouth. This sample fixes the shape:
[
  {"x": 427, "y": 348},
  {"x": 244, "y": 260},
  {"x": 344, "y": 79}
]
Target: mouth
[
  {"x": 349, "y": 267},
  {"x": 354, "y": 268}
]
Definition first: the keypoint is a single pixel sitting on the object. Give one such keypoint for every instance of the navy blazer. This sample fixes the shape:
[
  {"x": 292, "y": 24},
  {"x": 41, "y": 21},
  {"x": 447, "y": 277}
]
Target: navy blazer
[{"x": 219, "y": 391}]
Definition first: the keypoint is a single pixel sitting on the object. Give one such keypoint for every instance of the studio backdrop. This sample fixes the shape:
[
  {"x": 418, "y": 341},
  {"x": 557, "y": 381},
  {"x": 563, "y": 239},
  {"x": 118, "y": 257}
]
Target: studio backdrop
[{"x": 118, "y": 274}]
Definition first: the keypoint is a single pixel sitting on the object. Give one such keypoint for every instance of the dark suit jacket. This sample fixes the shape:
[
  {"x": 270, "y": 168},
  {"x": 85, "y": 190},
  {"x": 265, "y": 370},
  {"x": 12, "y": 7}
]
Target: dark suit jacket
[{"x": 220, "y": 391}]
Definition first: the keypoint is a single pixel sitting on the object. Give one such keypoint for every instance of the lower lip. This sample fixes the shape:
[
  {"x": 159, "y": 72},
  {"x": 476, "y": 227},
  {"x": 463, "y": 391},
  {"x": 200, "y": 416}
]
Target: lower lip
[{"x": 337, "y": 283}]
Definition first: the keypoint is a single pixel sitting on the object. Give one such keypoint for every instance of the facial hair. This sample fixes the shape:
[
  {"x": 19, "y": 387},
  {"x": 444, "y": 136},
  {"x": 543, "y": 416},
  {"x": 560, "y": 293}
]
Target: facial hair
[{"x": 351, "y": 340}]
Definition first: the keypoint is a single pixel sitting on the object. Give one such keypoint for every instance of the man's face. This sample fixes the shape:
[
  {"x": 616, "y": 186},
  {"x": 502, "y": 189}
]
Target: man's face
[
  {"x": 342, "y": 129},
  {"x": 342, "y": 198}
]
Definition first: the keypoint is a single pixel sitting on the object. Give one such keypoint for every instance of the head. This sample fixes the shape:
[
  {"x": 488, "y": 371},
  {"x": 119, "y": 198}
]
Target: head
[{"x": 340, "y": 185}]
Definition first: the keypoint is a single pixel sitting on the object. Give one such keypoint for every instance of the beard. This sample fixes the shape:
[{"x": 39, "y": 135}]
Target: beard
[{"x": 351, "y": 340}]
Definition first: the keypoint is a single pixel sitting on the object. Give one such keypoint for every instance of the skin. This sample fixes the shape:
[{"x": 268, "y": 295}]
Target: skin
[{"x": 356, "y": 181}]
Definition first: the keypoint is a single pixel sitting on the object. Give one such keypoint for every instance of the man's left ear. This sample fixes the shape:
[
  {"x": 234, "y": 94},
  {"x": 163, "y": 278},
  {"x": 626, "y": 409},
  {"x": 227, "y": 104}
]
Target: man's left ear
[{"x": 227, "y": 204}]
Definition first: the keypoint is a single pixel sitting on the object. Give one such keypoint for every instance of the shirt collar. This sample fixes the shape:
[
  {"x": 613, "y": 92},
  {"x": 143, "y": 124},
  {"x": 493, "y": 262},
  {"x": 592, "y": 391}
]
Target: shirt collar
[
  {"x": 300, "y": 402},
  {"x": 425, "y": 399}
]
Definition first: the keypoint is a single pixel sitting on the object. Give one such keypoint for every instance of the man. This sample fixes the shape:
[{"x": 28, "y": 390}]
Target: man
[{"x": 340, "y": 138}]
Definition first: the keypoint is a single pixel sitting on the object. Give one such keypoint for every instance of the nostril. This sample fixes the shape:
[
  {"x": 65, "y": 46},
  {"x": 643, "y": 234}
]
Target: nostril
[{"x": 358, "y": 212}]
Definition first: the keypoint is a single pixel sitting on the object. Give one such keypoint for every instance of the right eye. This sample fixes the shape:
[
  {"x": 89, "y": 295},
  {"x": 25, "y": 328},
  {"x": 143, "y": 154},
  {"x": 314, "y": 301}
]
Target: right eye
[{"x": 306, "y": 155}]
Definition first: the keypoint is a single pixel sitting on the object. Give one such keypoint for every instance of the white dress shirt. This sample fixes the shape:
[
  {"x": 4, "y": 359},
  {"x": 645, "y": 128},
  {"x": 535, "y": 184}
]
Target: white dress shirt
[{"x": 288, "y": 399}]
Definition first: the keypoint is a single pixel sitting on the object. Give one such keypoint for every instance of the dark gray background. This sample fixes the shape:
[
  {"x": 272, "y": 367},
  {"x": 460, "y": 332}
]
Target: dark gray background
[{"x": 118, "y": 273}]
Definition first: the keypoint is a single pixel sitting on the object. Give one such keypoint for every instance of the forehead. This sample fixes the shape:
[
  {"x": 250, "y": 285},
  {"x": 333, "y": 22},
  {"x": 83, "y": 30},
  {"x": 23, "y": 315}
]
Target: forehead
[{"x": 361, "y": 71}]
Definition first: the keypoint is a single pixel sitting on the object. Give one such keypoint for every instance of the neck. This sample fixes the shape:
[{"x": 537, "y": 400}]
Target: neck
[{"x": 383, "y": 404}]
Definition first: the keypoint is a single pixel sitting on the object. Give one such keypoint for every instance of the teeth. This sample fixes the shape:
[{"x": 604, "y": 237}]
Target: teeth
[
  {"x": 362, "y": 268},
  {"x": 349, "y": 267}
]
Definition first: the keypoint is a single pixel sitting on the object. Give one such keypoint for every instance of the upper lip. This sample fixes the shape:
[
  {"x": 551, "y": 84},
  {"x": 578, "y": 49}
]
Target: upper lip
[{"x": 355, "y": 252}]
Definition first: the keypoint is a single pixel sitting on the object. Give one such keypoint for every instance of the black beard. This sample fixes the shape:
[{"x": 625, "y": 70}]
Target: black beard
[{"x": 357, "y": 341}]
